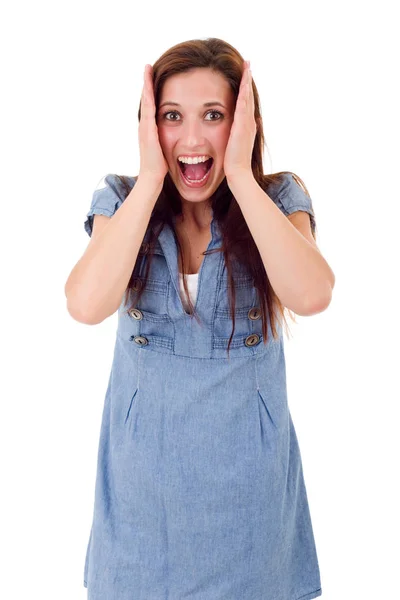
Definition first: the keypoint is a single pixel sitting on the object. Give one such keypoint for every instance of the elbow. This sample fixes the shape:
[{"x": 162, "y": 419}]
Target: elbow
[
  {"x": 77, "y": 308},
  {"x": 82, "y": 316},
  {"x": 316, "y": 305}
]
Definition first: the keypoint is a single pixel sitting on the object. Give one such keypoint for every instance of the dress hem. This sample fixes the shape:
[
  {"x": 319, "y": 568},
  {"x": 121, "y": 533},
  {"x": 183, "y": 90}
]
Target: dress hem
[{"x": 308, "y": 596}]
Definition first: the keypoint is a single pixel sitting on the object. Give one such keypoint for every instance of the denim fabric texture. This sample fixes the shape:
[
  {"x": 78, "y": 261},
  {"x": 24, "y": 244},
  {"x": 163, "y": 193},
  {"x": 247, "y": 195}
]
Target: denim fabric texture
[{"x": 199, "y": 489}]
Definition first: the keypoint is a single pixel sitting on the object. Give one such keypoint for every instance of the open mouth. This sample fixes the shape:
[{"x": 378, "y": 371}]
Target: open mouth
[{"x": 196, "y": 175}]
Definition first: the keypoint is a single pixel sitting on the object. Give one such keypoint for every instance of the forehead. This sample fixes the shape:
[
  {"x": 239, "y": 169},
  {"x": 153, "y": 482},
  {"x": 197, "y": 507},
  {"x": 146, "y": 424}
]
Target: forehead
[{"x": 196, "y": 87}]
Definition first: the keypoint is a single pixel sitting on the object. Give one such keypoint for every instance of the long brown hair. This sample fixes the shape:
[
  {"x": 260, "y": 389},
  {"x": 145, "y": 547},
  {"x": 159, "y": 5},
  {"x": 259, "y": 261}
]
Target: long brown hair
[{"x": 237, "y": 241}]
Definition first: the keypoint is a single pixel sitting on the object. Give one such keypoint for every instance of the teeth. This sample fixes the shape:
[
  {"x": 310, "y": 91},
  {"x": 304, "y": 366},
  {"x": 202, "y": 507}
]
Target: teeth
[
  {"x": 189, "y": 160},
  {"x": 197, "y": 180}
]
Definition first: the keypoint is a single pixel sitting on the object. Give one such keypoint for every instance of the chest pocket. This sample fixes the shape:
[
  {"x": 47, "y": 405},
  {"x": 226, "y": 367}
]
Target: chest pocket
[
  {"x": 154, "y": 297},
  {"x": 150, "y": 321},
  {"x": 247, "y": 312}
]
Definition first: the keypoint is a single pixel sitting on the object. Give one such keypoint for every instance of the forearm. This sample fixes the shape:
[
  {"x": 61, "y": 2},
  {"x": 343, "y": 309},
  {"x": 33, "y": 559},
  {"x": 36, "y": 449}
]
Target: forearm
[
  {"x": 96, "y": 285},
  {"x": 299, "y": 274}
]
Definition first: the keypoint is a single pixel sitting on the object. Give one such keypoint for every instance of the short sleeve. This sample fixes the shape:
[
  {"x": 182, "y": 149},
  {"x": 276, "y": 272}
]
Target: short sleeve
[
  {"x": 290, "y": 197},
  {"x": 107, "y": 198}
]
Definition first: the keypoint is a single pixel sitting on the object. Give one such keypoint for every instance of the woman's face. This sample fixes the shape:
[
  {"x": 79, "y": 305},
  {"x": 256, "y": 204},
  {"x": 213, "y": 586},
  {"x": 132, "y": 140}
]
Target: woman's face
[{"x": 187, "y": 127}]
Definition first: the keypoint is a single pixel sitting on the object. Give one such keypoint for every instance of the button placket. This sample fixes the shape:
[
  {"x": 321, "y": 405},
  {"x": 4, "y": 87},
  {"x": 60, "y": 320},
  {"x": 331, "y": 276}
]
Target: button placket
[
  {"x": 136, "y": 313},
  {"x": 140, "y": 340},
  {"x": 254, "y": 313},
  {"x": 254, "y": 316},
  {"x": 252, "y": 339},
  {"x": 170, "y": 250}
]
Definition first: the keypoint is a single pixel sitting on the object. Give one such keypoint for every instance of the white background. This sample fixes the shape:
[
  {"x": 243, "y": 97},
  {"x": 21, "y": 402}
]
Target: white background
[{"x": 72, "y": 77}]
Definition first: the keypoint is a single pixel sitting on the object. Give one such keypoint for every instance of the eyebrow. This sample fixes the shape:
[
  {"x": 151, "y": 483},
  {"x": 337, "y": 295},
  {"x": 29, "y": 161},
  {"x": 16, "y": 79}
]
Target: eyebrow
[{"x": 214, "y": 103}]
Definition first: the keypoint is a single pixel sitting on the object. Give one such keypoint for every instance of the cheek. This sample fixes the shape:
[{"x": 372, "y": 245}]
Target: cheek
[
  {"x": 221, "y": 140},
  {"x": 166, "y": 138}
]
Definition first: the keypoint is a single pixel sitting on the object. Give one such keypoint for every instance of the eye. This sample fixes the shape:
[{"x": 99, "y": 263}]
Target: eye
[
  {"x": 170, "y": 112},
  {"x": 216, "y": 112},
  {"x": 175, "y": 112}
]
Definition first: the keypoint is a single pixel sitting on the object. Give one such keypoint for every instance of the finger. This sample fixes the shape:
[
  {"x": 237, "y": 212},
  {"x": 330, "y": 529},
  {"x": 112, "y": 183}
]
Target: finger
[
  {"x": 244, "y": 75},
  {"x": 248, "y": 73},
  {"x": 146, "y": 82},
  {"x": 143, "y": 97},
  {"x": 148, "y": 97},
  {"x": 242, "y": 89},
  {"x": 250, "y": 89},
  {"x": 243, "y": 94},
  {"x": 246, "y": 79}
]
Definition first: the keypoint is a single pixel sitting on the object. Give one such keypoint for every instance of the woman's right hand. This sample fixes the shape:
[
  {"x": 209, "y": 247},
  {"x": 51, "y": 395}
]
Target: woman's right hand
[{"x": 152, "y": 161}]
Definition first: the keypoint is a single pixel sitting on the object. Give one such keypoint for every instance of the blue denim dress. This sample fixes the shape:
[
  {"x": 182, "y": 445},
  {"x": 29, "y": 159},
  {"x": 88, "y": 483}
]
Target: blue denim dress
[{"x": 199, "y": 489}]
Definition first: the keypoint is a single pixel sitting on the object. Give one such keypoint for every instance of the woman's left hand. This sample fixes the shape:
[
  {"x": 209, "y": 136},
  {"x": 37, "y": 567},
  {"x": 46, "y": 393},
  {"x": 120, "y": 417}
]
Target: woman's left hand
[{"x": 239, "y": 149}]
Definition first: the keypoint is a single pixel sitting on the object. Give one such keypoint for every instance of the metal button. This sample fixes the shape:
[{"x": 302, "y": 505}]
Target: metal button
[
  {"x": 254, "y": 313},
  {"x": 252, "y": 339},
  {"x": 137, "y": 285},
  {"x": 140, "y": 340},
  {"x": 136, "y": 314},
  {"x": 144, "y": 248}
]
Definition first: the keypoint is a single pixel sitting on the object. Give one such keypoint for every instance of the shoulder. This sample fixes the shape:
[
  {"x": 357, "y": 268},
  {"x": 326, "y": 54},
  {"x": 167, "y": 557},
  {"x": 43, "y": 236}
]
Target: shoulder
[
  {"x": 119, "y": 185},
  {"x": 109, "y": 194},
  {"x": 290, "y": 194},
  {"x": 283, "y": 184}
]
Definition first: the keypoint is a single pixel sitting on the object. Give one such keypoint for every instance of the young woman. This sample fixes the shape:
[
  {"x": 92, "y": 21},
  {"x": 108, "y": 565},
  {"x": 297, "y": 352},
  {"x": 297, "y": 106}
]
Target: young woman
[{"x": 199, "y": 490}]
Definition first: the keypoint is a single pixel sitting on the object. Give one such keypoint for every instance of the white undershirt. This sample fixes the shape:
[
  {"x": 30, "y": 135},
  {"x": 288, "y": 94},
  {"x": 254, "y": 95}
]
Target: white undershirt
[{"x": 192, "y": 280}]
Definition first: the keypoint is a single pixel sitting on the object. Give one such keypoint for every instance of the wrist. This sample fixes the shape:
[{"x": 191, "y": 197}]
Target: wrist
[
  {"x": 239, "y": 178},
  {"x": 149, "y": 182}
]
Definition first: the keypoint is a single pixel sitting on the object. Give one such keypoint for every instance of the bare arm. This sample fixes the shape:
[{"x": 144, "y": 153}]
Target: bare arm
[
  {"x": 299, "y": 274},
  {"x": 96, "y": 284}
]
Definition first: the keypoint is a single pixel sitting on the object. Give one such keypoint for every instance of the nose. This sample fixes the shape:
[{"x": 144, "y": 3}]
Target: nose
[{"x": 192, "y": 133}]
